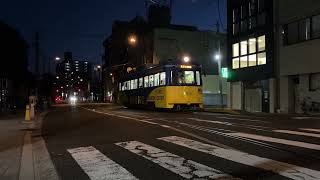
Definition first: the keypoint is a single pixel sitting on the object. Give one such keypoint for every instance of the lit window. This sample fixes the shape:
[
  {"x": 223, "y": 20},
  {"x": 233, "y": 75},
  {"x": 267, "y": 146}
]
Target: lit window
[
  {"x": 262, "y": 58},
  {"x": 235, "y": 50},
  {"x": 243, "y": 61},
  {"x": 146, "y": 81},
  {"x": 252, "y": 45},
  {"x": 156, "y": 79},
  {"x": 198, "y": 78},
  {"x": 162, "y": 78},
  {"x": 244, "y": 47},
  {"x": 235, "y": 63},
  {"x": 151, "y": 80},
  {"x": 140, "y": 82},
  {"x": 253, "y": 60},
  {"x": 262, "y": 43}
]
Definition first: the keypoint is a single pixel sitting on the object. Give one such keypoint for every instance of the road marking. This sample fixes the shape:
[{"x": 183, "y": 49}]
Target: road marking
[
  {"x": 97, "y": 166},
  {"x": 281, "y": 168},
  {"x": 298, "y": 133},
  {"x": 162, "y": 125},
  {"x": 174, "y": 163},
  {"x": 209, "y": 121},
  {"x": 259, "y": 128},
  {"x": 242, "y": 119},
  {"x": 278, "y": 140},
  {"x": 312, "y": 130}
]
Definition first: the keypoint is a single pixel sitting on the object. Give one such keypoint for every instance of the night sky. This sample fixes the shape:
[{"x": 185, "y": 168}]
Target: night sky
[{"x": 81, "y": 26}]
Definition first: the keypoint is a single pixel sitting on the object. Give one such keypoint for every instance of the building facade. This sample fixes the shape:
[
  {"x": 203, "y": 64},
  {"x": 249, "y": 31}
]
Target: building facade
[
  {"x": 299, "y": 64},
  {"x": 14, "y": 75},
  {"x": 73, "y": 78},
  {"x": 272, "y": 51},
  {"x": 251, "y": 55}
]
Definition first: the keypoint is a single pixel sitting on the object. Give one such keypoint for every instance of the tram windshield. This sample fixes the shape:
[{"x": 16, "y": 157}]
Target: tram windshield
[{"x": 183, "y": 77}]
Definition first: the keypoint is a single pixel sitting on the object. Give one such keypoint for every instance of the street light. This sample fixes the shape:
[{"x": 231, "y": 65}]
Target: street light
[
  {"x": 57, "y": 58},
  {"x": 132, "y": 39}
]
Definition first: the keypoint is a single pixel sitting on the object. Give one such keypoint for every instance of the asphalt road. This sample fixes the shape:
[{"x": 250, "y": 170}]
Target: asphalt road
[{"x": 112, "y": 142}]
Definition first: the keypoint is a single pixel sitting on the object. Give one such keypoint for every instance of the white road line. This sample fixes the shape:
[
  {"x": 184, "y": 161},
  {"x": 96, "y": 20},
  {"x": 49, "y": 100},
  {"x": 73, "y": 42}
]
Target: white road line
[
  {"x": 242, "y": 119},
  {"x": 209, "y": 121},
  {"x": 281, "y": 168},
  {"x": 298, "y": 133},
  {"x": 312, "y": 130},
  {"x": 278, "y": 140},
  {"x": 259, "y": 128},
  {"x": 97, "y": 166},
  {"x": 176, "y": 164}
]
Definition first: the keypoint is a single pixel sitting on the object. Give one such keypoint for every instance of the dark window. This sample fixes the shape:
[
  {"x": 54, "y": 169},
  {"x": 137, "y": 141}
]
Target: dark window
[
  {"x": 244, "y": 11},
  {"x": 236, "y": 28},
  {"x": 252, "y": 22},
  {"x": 316, "y": 26},
  {"x": 252, "y": 7},
  {"x": 304, "y": 29},
  {"x": 261, "y": 5},
  {"x": 293, "y": 33},
  {"x": 262, "y": 19},
  {"x": 236, "y": 15},
  {"x": 244, "y": 26}
]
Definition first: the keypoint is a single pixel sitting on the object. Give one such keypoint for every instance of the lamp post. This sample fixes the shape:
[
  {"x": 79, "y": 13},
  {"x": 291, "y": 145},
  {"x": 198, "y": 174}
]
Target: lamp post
[{"x": 218, "y": 59}]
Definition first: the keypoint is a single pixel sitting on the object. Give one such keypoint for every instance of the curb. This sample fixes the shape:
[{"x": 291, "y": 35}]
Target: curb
[{"x": 36, "y": 163}]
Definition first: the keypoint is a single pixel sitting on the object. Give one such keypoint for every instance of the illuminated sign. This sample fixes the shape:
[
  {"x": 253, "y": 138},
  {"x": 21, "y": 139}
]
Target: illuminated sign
[
  {"x": 185, "y": 66},
  {"x": 224, "y": 73}
]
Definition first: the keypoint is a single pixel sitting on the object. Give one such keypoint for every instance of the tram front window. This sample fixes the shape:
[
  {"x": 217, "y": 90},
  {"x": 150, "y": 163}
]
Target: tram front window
[{"x": 181, "y": 77}]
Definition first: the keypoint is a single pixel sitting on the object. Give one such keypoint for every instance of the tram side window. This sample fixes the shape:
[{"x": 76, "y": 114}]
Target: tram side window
[
  {"x": 198, "y": 78},
  {"x": 156, "y": 79},
  {"x": 135, "y": 84},
  {"x": 162, "y": 78},
  {"x": 146, "y": 81},
  {"x": 123, "y": 87},
  {"x": 140, "y": 82},
  {"x": 151, "y": 80},
  {"x": 128, "y": 85}
]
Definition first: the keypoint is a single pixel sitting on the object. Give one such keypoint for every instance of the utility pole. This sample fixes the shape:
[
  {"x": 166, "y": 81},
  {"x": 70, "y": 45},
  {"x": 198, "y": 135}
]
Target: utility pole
[{"x": 37, "y": 53}]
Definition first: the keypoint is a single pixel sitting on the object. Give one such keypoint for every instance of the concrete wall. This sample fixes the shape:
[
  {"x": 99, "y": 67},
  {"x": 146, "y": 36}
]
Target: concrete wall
[
  {"x": 211, "y": 90},
  {"x": 236, "y": 95}
]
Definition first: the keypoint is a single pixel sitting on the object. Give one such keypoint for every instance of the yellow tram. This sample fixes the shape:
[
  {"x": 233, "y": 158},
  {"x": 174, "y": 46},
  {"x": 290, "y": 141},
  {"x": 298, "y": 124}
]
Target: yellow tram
[{"x": 166, "y": 86}]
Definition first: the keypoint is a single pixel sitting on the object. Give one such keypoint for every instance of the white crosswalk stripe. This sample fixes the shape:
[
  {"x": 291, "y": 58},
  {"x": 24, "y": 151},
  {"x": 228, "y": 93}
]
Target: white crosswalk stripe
[
  {"x": 179, "y": 165},
  {"x": 277, "y": 140},
  {"x": 298, "y": 133},
  {"x": 281, "y": 168},
  {"x": 311, "y": 130},
  {"x": 97, "y": 166}
]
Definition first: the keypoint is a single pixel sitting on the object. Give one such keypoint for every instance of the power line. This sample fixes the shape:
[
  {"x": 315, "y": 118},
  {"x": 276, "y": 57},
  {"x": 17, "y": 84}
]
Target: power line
[{"x": 219, "y": 13}]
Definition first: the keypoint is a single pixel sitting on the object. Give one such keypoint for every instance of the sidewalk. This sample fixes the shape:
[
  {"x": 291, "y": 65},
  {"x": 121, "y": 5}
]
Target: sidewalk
[
  {"x": 23, "y": 153},
  {"x": 11, "y": 142}
]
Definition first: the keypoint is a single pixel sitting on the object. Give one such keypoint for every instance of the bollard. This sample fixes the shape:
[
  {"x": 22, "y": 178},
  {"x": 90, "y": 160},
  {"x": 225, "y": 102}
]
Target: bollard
[{"x": 27, "y": 115}]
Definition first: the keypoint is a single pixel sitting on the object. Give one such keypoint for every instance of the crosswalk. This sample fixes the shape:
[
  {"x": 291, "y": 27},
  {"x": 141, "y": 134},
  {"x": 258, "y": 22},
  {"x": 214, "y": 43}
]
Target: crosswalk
[{"x": 98, "y": 166}]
